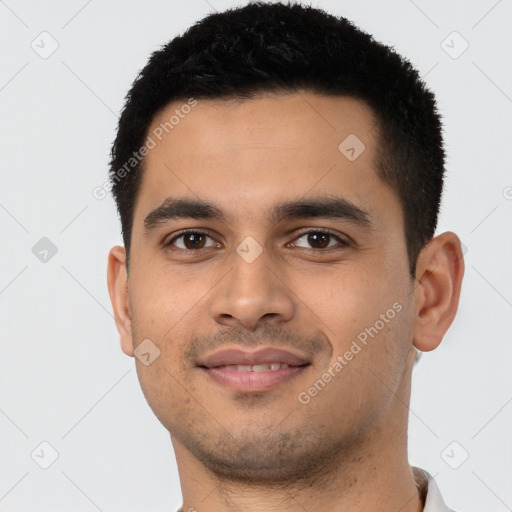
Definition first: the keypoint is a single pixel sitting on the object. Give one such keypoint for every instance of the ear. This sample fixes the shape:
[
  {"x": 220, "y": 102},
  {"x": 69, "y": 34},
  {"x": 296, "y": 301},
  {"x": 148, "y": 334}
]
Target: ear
[
  {"x": 439, "y": 273},
  {"x": 117, "y": 279}
]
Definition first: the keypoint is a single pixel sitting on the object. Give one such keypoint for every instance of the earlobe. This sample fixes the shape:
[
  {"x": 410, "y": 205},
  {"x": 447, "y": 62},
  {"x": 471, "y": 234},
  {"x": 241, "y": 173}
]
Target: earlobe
[
  {"x": 117, "y": 280},
  {"x": 439, "y": 273}
]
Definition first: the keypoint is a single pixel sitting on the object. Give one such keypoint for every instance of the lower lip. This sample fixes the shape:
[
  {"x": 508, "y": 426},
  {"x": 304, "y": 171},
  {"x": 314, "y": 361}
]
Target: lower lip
[{"x": 253, "y": 381}]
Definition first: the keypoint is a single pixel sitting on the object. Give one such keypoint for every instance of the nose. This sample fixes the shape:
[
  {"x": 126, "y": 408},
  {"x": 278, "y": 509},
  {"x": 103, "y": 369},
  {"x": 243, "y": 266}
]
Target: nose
[{"x": 252, "y": 294}]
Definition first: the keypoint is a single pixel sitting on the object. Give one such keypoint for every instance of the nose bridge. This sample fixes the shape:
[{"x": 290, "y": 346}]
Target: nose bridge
[
  {"x": 252, "y": 277},
  {"x": 252, "y": 289}
]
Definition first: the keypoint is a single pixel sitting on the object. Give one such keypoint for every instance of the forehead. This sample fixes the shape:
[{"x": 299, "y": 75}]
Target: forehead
[
  {"x": 255, "y": 152},
  {"x": 298, "y": 121}
]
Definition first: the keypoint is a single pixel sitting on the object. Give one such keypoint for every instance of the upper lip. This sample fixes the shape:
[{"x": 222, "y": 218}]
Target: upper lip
[{"x": 239, "y": 356}]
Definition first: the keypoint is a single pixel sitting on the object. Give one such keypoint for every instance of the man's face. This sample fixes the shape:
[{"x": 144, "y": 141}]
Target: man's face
[{"x": 299, "y": 281}]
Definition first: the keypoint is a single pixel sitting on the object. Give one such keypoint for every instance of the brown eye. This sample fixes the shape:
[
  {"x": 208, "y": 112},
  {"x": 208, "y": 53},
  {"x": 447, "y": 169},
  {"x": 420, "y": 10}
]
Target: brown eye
[
  {"x": 317, "y": 240},
  {"x": 190, "y": 241},
  {"x": 194, "y": 240}
]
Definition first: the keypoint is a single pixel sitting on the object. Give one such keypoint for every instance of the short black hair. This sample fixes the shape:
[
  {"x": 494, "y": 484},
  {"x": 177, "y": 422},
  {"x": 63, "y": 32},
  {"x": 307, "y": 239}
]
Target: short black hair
[{"x": 261, "y": 48}]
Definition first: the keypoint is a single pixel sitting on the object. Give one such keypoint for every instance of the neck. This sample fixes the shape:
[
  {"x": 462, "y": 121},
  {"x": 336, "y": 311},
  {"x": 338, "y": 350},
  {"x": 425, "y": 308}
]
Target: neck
[{"x": 365, "y": 481}]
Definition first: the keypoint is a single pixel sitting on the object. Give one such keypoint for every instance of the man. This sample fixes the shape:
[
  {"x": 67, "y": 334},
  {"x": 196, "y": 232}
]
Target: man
[{"x": 278, "y": 175}]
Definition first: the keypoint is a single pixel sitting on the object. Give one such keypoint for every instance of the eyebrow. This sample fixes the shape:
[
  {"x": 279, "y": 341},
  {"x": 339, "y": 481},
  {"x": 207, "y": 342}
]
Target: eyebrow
[{"x": 328, "y": 207}]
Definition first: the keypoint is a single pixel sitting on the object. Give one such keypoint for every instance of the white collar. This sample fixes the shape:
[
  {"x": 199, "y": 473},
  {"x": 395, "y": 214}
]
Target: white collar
[{"x": 426, "y": 483}]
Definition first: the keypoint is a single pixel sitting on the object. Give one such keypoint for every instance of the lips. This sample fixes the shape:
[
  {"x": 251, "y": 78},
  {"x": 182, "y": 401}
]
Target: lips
[
  {"x": 237, "y": 357},
  {"x": 257, "y": 371}
]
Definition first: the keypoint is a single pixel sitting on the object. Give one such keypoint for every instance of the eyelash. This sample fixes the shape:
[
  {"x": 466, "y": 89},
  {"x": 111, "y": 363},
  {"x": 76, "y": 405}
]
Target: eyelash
[{"x": 342, "y": 243}]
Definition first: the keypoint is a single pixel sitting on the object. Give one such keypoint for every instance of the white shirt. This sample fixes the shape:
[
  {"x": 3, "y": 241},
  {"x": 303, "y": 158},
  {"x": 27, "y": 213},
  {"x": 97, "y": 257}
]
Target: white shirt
[{"x": 433, "y": 502}]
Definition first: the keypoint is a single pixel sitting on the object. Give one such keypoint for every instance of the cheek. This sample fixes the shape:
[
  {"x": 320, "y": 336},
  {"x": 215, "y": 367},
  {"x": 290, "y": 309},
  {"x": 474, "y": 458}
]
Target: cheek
[
  {"x": 345, "y": 298},
  {"x": 163, "y": 297},
  {"x": 363, "y": 313}
]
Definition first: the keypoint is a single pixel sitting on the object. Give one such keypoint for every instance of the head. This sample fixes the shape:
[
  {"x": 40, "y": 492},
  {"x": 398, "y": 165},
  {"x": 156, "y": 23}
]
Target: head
[{"x": 306, "y": 161}]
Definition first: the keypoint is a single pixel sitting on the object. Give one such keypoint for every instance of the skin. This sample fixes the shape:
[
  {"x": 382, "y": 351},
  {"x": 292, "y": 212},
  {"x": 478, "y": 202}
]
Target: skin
[{"x": 347, "y": 448}]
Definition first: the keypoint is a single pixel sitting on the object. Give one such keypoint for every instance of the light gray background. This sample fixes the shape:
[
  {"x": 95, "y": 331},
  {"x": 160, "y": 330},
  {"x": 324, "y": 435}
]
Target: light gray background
[{"x": 63, "y": 377}]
